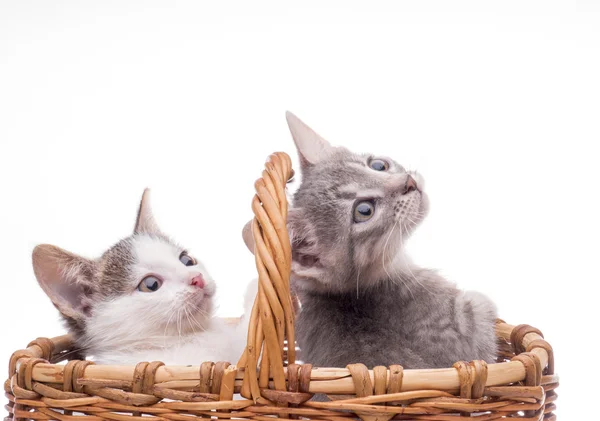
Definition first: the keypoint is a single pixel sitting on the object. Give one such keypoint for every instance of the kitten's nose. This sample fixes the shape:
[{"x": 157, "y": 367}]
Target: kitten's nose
[
  {"x": 197, "y": 281},
  {"x": 410, "y": 185}
]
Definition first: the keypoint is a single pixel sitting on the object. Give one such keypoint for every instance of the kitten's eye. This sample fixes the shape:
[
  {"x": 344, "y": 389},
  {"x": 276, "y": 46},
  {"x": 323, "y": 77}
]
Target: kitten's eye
[
  {"x": 149, "y": 284},
  {"x": 186, "y": 259},
  {"x": 379, "y": 165},
  {"x": 363, "y": 211}
]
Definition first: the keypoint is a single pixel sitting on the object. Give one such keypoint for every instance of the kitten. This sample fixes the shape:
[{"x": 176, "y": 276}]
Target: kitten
[
  {"x": 362, "y": 300},
  {"x": 145, "y": 299}
]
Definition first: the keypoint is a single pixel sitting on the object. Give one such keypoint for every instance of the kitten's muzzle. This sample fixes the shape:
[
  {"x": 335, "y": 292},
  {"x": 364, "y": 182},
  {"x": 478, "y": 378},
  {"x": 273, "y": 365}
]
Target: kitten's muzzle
[{"x": 401, "y": 184}]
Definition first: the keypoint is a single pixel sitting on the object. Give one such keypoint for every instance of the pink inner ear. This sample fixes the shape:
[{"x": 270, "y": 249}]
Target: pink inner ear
[
  {"x": 72, "y": 294},
  {"x": 248, "y": 237},
  {"x": 67, "y": 296},
  {"x": 145, "y": 223},
  {"x": 311, "y": 146},
  {"x": 59, "y": 273}
]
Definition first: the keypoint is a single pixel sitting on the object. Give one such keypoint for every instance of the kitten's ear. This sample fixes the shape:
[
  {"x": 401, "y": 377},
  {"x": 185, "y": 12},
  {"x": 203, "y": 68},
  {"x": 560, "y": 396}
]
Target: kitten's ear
[
  {"x": 305, "y": 251},
  {"x": 311, "y": 147},
  {"x": 248, "y": 236},
  {"x": 303, "y": 239},
  {"x": 66, "y": 278},
  {"x": 145, "y": 223}
]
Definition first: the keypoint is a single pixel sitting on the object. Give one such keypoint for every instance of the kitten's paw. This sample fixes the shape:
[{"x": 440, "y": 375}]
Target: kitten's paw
[
  {"x": 483, "y": 307},
  {"x": 482, "y": 313}
]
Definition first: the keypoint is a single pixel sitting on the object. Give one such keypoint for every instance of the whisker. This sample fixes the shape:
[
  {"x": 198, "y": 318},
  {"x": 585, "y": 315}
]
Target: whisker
[
  {"x": 384, "y": 249},
  {"x": 357, "y": 276},
  {"x": 71, "y": 352}
]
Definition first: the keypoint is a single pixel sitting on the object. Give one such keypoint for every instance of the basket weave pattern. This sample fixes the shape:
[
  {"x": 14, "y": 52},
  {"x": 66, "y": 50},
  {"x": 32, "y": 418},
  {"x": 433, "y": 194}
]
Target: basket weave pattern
[{"x": 521, "y": 385}]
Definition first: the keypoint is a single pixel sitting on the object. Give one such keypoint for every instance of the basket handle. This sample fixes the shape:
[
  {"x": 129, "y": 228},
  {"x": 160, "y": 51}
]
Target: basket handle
[{"x": 272, "y": 318}]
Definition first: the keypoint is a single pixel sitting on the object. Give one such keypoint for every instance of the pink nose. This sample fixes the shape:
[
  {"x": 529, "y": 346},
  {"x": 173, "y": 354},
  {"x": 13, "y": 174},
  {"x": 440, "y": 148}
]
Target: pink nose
[
  {"x": 411, "y": 185},
  {"x": 197, "y": 281}
]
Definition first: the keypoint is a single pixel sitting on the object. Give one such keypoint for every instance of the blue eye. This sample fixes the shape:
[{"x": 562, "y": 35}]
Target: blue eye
[
  {"x": 149, "y": 284},
  {"x": 379, "y": 165},
  {"x": 186, "y": 259},
  {"x": 363, "y": 211}
]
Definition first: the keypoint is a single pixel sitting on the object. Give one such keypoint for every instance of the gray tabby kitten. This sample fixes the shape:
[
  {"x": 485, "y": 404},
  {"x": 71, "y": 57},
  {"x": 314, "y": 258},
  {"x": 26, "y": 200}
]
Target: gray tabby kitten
[{"x": 362, "y": 299}]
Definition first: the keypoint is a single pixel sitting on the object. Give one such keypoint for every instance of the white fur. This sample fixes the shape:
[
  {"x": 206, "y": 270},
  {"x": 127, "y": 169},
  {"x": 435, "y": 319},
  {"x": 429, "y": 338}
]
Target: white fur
[
  {"x": 161, "y": 325},
  {"x": 217, "y": 343}
]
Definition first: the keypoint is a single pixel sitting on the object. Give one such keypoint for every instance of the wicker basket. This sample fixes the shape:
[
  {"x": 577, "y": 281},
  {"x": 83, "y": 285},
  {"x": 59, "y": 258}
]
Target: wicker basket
[{"x": 521, "y": 385}]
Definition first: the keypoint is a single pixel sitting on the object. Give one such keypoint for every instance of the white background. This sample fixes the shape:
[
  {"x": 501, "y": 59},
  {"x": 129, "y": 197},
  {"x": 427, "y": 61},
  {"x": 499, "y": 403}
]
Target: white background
[{"x": 498, "y": 107}]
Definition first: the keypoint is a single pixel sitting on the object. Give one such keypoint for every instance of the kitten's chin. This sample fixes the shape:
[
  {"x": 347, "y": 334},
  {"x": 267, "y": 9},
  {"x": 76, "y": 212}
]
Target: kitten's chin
[
  {"x": 196, "y": 313},
  {"x": 192, "y": 323}
]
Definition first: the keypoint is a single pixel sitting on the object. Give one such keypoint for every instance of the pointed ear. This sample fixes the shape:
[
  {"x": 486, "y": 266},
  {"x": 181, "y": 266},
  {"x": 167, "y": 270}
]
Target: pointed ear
[
  {"x": 66, "y": 278},
  {"x": 248, "y": 236},
  {"x": 145, "y": 223},
  {"x": 311, "y": 147}
]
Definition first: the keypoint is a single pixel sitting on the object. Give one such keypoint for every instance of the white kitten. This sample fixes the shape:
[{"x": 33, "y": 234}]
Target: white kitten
[{"x": 145, "y": 299}]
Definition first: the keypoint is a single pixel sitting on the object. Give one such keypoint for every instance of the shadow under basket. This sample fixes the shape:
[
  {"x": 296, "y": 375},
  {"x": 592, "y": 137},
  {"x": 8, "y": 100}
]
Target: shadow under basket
[{"x": 520, "y": 385}]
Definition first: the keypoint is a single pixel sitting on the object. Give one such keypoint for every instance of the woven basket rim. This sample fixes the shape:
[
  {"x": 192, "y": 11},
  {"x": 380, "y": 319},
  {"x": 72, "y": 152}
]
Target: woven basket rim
[{"x": 337, "y": 378}]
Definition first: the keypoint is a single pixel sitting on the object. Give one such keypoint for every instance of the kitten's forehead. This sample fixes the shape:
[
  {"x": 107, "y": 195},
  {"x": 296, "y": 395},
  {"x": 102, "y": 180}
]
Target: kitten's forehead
[
  {"x": 154, "y": 252},
  {"x": 345, "y": 174},
  {"x": 115, "y": 268},
  {"x": 117, "y": 264}
]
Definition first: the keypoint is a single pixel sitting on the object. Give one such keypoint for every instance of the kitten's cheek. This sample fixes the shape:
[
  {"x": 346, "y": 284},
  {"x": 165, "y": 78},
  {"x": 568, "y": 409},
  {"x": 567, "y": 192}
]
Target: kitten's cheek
[
  {"x": 424, "y": 206},
  {"x": 210, "y": 289}
]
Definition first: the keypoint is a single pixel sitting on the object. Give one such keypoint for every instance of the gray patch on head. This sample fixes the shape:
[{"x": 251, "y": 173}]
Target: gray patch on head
[
  {"x": 115, "y": 269},
  {"x": 115, "y": 266}
]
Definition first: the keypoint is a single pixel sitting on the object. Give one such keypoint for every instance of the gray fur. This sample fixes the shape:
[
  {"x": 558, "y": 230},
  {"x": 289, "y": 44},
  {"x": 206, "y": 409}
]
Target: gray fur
[{"x": 362, "y": 300}]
